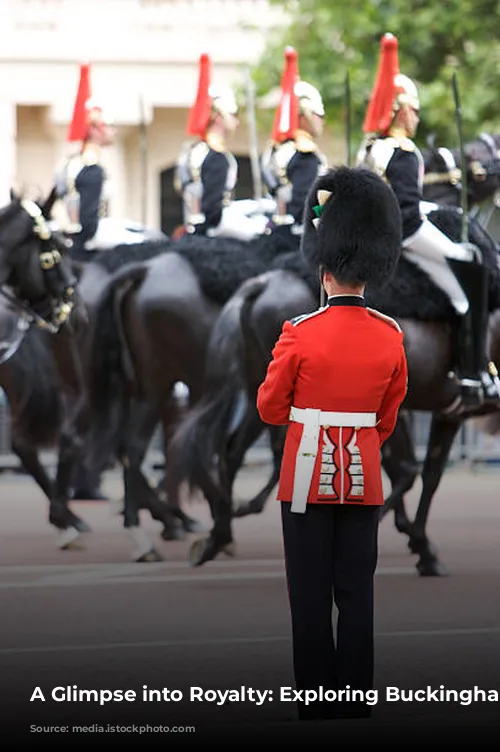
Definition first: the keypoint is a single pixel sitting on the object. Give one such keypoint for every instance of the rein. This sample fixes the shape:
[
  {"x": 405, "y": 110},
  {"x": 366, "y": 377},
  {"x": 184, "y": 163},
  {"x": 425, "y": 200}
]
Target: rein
[
  {"x": 453, "y": 174},
  {"x": 8, "y": 348},
  {"x": 50, "y": 260}
]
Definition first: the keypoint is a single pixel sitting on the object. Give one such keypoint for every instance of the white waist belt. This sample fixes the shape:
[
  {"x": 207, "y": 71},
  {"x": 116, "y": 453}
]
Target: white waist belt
[{"x": 312, "y": 421}]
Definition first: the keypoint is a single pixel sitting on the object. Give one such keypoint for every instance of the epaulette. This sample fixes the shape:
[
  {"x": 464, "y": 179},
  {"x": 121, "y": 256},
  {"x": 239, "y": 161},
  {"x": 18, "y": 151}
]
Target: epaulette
[
  {"x": 384, "y": 317},
  {"x": 402, "y": 141},
  {"x": 282, "y": 155},
  {"x": 306, "y": 316},
  {"x": 196, "y": 157},
  {"x": 216, "y": 142},
  {"x": 90, "y": 156},
  {"x": 304, "y": 142}
]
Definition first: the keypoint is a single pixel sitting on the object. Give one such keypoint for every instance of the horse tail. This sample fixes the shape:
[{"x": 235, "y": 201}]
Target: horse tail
[
  {"x": 35, "y": 400},
  {"x": 202, "y": 434},
  {"x": 108, "y": 360}
]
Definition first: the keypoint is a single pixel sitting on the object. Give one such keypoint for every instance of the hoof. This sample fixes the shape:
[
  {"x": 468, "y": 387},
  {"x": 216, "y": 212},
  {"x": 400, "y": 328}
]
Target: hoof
[
  {"x": 173, "y": 531},
  {"x": 206, "y": 549},
  {"x": 149, "y": 556},
  {"x": 69, "y": 539},
  {"x": 198, "y": 552},
  {"x": 230, "y": 550},
  {"x": 432, "y": 568},
  {"x": 88, "y": 494},
  {"x": 250, "y": 507},
  {"x": 415, "y": 546},
  {"x": 78, "y": 523}
]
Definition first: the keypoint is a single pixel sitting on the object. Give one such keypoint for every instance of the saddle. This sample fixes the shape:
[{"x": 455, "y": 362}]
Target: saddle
[
  {"x": 411, "y": 293},
  {"x": 223, "y": 264}
]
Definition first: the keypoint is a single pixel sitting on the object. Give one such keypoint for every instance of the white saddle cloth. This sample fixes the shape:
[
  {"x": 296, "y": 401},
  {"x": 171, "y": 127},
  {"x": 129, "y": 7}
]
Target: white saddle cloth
[
  {"x": 243, "y": 219},
  {"x": 112, "y": 232}
]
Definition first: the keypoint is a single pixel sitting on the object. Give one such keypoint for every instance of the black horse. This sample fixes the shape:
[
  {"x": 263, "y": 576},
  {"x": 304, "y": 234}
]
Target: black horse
[
  {"x": 93, "y": 275},
  {"x": 208, "y": 447},
  {"x": 219, "y": 266},
  {"x": 44, "y": 357},
  {"x": 151, "y": 331},
  {"x": 443, "y": 172},
  {"x": 40, "y": 303}
]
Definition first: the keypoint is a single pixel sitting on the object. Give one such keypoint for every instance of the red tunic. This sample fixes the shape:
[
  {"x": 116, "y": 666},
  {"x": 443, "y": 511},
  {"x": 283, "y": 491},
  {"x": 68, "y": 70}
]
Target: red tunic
[{"x": 344, "y": 358}]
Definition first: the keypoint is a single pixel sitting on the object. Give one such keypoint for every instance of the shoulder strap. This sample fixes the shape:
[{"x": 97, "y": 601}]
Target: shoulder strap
[{"x": 384, "y": 317}]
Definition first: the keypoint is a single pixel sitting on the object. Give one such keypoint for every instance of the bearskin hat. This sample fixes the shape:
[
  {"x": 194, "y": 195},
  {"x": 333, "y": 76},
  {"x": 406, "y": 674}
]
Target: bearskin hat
[{"x": 352, "y": 226}]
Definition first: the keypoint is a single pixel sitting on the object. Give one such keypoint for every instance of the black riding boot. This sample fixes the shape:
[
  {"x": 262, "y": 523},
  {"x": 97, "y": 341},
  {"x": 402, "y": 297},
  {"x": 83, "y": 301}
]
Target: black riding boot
[{"x": 478, "y": 377}]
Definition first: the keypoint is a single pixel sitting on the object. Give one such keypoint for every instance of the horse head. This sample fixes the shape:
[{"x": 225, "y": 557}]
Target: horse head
[
  {"x": 35, "y": 271},
  {"x": 483, "y": 156},
  {"x": 443, "y": 172}
]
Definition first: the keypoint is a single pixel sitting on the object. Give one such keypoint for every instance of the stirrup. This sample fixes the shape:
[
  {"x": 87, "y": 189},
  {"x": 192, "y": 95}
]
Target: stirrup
[
  {"x": 471, "y": 395},
  {"x": 491, "y": 383}
]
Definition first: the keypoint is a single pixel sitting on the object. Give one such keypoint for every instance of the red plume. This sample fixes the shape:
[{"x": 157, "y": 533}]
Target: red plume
[
  {"x": 199, "y": 114},
  {"x": 286, "y": 119},
  {"x": 381, "y": 106},
  {"x": 79, "y": 122}
]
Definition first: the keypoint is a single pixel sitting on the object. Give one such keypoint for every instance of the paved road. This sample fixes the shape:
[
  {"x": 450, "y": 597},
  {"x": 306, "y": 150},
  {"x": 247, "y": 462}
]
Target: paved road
[{"x": 91, "y": 619}]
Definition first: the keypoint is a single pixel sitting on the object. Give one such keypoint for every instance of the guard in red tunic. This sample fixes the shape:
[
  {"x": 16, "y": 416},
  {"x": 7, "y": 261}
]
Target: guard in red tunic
[{"x": 337, "y": 378}]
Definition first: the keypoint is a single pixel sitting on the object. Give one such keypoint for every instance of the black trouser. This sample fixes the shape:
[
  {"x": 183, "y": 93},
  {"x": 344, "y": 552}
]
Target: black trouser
[{"x": 331, "y": 555}]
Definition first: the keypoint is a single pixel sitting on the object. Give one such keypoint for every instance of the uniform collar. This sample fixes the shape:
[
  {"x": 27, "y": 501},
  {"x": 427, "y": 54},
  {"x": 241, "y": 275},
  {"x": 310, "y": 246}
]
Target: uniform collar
[
  {"x": 347, "y": 300},
  {"x": 304, "y": 141},
  {"x": 216, "y": 142},
  {"x": 91, "y": 154}
]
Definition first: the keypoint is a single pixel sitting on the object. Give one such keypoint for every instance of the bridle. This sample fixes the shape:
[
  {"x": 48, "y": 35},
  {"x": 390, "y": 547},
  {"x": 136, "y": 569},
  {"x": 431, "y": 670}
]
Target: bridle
[
  {"x": 50, "y": 262},
  {"x": 453, "y": 174}
]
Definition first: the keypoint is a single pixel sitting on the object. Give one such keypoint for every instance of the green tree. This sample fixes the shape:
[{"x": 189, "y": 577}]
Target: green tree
[{"x": 334, "y": 39}]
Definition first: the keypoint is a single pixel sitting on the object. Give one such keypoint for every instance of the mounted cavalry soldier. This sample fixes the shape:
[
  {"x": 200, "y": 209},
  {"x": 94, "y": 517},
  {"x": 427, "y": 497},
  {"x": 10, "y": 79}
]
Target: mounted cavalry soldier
[
  {"x": 337, "y": 379},
  {"x": 388, "y": 149},
  {"x": 293, "y": 161},
  {"x": 207, "y": 172},
  {"x": 82, "y": 184}
]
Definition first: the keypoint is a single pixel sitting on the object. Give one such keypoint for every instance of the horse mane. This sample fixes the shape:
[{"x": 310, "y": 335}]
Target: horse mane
[
  {"x": 411, "y": 293},
  {"x": 223, "y": 264},
  {"x": 8, "y": 212},
  {"x": 16, "y": 227}
]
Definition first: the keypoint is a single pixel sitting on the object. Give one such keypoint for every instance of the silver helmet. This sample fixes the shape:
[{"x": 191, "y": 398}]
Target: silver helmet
[
  {"x": 406, "y": 93},
  {"x": 310, "y": 101},
  {"x": 223, "y": 100}
]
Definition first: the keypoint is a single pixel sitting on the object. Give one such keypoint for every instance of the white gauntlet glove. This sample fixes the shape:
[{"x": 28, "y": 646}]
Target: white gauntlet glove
[{"x": 433, "y": 244}]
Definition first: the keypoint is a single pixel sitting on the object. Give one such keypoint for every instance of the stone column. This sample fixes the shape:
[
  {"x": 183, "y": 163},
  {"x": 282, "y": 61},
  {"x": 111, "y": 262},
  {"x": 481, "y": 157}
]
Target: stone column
[{"x": 8, "y": 149}]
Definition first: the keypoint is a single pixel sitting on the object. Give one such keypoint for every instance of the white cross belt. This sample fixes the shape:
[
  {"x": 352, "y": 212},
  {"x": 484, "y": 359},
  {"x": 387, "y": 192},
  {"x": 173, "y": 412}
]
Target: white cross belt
[{"x": 313, "y": 420}]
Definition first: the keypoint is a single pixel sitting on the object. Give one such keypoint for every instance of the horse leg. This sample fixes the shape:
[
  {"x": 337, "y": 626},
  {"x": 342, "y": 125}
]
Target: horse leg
[
  {"x": 220, "y": 497},
  {"x": 28, "y": 457},
  {"x": 139, "y": 494},
  {"x": 277, "y": 437},
  {"x": 171, "y": 497},
  {"x": 220, "y": 539},
  {"x": 58, "y": 512},
  {"x": 60, "y": 516},
  {"x": 400, "y": 464},
  {"x": 86, "y": 483},
  {"x": 441, "y": 437},
  {"x": 70, "y": 448}
]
